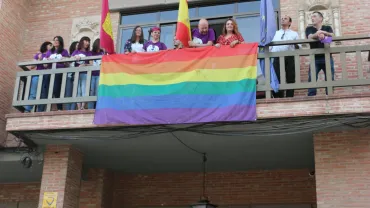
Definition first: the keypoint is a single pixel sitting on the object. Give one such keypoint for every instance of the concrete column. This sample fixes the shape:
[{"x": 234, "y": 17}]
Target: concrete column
[
  {"x": 342, "y": 161},
  {"x": 62, "y": 174}
]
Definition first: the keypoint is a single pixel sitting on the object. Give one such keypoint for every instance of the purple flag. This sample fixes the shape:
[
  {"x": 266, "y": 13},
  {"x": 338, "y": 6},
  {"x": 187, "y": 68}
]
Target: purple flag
[{"x": 327, "y": 39}]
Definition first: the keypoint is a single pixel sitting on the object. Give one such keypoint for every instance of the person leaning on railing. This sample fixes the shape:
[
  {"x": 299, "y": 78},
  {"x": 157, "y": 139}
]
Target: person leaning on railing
[
  {"x": 230, "y": 35},
  {"x": 96, "y": 51},
  {"x": 319, "y": 32},
  {"x": 203, "y": 35},
  {"x": 285, "y": 34},
  {"x": 57, "y": 52},
  {"x": 83, "y": 50},
  {"x": 70, "y": 79},
  {"x": 35, "y": 79}
]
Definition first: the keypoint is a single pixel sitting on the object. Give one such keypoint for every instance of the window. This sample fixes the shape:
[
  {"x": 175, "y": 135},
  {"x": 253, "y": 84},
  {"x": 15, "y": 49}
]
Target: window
[
  {"x": 254, "y": 6},
  {"x": 167, "y": 34},
  {"x": 246, "y": 14},
  {"x": 218, "y": 10},
  {"x": 172, "y": 15},
  {"x": 137, "y": 19},
  {"x": 249, "y": 27}
]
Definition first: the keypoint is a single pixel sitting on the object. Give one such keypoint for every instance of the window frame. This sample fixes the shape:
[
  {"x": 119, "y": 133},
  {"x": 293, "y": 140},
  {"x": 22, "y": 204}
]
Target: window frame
[{"x": 158, "y": 22}]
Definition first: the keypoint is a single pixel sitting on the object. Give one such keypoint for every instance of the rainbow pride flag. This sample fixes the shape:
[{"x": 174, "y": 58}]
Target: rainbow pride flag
[{"x": 179, "y": 86}]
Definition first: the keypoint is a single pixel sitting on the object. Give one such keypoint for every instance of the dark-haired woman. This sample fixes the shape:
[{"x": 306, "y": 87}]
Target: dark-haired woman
[
  {"x": 70, "y": 79},
  {"x": 155, "y": 44},
  {"x": 136, "y": 42},
  {"x": 35, "y": 79},
  {"x": 96, "y": 51},
  {"x": 57, "y": 52},
  {"x": 83, "y": 50},
  {"x": 230, "y": 35}
]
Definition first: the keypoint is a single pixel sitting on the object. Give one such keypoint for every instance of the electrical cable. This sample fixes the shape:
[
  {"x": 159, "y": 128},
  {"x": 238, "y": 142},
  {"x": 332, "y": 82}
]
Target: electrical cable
[{"x": 194, "y": 150}]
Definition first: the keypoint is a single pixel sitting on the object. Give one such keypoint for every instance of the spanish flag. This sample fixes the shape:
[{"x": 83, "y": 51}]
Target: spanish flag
[
  {"x": 106, "y": 32},
  {"x": 183, "y": 32}
]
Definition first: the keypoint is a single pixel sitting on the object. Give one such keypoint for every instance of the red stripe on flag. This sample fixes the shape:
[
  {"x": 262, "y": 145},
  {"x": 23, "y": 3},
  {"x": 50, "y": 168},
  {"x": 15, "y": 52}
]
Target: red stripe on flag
[
  {"x": 106, "y": 40},
  {"x": 182, "y": 34}
]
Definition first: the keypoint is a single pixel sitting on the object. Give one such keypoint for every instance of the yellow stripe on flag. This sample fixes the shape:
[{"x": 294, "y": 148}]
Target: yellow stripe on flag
[{"x": 107, "y": 25}]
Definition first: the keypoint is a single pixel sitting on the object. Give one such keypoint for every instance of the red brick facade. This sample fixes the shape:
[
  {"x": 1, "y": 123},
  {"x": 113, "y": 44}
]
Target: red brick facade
[
  {"x": 13, "y": 21},
  {"x": 226, "y": 188},
  {"x": 62, "y": 173},
  {"x": 342, "y": 169},
  {"x": 97, "y": 189},
  {"x": 342, "y": 158},
  {"x": 22, "y": 192},
  {"x": 104, "y": 189}
]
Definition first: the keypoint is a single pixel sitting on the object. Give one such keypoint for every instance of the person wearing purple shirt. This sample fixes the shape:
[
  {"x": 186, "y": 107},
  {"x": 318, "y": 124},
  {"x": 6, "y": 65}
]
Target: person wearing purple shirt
[
  {"x": 83, "y": 50},
  {"x": 57, "y": 52},
  {"x": 154, "y": 45},
  {"x": 96, "y": 51},
  {"x": 203, "y": 35},
  {"x": 70, "y": 79},
  {"x": 35, "y": 79}
]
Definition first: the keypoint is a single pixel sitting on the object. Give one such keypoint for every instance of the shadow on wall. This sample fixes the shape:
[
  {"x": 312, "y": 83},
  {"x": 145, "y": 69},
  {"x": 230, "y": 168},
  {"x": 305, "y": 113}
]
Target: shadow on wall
[{"x": 19, "y": 205}]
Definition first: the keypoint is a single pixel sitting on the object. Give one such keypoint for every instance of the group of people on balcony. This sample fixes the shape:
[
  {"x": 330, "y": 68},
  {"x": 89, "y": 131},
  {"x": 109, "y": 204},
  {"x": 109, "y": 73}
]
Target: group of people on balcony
[
  {"x": 203, "y": 36},
  {"x": 56, "y": 51},
  {"x": 317, "y": 31}
]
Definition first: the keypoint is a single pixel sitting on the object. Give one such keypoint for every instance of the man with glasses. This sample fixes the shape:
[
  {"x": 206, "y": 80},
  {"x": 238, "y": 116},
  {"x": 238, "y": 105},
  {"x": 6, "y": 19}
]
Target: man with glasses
[{"x": 285, "y": 34}]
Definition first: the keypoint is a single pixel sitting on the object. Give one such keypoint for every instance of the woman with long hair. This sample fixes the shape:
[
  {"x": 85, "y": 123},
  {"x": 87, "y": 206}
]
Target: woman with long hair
[
  {"x": 83, "y": 50},
  {"x": 35, "y": 79},
  {"x": 57, "y": 52},
  {"x": 136, "y": 42},
  {"x": 96, "y": 51},
  {"x": 155, "y": 44},
  {"x": 70, "y": 79},
  {"x": 230, "y": 34}
]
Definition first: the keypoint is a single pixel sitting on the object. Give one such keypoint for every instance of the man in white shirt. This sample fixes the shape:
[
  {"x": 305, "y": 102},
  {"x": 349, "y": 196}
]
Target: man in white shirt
[{"x": 285, "y": 34}]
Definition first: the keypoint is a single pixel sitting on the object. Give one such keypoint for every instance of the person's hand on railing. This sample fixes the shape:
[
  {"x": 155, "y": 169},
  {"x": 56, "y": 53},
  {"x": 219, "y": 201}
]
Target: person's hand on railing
[
  {"x": 77, "y": 57},
  {"x": 218, "y": 45},
  {"x": 234, "y": 43},
  {"x": 321, "y": 36}
]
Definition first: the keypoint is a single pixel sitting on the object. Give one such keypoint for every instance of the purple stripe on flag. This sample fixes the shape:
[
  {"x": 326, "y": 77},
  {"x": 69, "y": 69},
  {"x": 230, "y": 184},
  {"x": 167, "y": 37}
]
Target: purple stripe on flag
[{"x": 175, "y": 116}]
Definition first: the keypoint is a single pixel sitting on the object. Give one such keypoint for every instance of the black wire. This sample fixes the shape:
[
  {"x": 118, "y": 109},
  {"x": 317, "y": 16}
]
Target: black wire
[{"x": 178, "y": 139}]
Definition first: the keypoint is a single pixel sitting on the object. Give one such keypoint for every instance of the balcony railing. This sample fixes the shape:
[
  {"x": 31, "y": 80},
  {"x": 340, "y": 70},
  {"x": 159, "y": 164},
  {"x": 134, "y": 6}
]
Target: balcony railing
[{"x": 23, "y": 79}]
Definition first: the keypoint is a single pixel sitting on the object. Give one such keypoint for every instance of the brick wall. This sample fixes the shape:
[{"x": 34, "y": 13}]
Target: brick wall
[
  {"x": 96, "y": 189},
  {"x": 21, "y": 192},
  {"x": 224, "y": 188},
  {"x": 62, "y": 174},
  {"x": 13, "y": 18},
  {"x": 104, "y": 189},
  {"x": 342, "y": 161}
]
